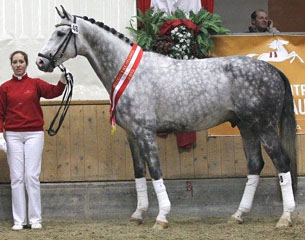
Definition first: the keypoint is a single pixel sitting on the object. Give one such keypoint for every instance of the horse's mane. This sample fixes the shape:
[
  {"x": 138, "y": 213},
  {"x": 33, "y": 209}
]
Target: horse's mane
[{"x": 107, "y": 28}]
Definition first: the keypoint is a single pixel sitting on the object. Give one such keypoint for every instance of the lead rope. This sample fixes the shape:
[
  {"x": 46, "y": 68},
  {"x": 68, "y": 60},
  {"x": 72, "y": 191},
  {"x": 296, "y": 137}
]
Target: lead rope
[{"x": 65, "y": 102}]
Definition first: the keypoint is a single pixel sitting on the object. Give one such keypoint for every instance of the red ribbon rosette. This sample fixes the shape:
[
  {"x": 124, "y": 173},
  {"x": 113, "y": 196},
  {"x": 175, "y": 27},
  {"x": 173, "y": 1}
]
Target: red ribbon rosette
[{"x": 171, "y": 24}]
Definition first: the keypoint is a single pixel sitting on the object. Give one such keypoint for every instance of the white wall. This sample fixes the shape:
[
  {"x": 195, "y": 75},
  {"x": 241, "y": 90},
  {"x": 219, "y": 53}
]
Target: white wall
[{"x": 27, "y": 24}]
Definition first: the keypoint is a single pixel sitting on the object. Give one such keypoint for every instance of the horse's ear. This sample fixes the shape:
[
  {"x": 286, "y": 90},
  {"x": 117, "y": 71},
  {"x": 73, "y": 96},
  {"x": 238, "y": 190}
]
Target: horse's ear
[
  {"x": 59, "y": 13},
  {"x": 65, "y": 12}
]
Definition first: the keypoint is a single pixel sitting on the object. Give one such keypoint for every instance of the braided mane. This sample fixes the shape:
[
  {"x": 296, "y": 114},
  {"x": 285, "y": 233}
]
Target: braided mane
[{"x": 107, "y": 28}]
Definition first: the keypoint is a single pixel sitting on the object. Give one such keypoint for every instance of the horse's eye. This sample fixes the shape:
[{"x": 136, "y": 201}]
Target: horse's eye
[{"x": 60, "y": 34}]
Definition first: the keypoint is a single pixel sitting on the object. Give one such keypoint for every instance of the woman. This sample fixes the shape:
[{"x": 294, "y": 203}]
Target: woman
[{"x": 22, "y": 119}]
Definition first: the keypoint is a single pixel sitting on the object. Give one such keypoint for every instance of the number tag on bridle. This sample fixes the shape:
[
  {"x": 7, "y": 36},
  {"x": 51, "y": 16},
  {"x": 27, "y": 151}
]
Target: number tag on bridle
[{"x": 74, "y": 28}]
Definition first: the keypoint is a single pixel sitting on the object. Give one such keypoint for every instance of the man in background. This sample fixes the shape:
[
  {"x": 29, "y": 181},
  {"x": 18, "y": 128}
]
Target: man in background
[{"x": 261, "y": 23}]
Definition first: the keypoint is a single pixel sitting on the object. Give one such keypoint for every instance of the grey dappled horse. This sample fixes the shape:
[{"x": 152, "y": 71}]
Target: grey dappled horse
[{"x": 168, "y": 95}]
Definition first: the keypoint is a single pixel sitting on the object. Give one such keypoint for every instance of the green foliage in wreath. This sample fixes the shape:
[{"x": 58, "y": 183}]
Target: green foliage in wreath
[{"x": 181, "y": 42}]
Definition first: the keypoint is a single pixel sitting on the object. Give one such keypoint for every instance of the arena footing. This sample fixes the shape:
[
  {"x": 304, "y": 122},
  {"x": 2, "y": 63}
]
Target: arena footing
[{"x": 190, "y": 197}]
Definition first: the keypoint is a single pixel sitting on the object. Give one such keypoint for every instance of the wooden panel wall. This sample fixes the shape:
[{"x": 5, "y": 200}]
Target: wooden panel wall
[
  {"x": 288, "y": 16},
  {"x": 85, "y": 150}
]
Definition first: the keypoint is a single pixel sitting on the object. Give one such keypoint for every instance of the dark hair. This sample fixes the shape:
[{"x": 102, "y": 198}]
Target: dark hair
[
  {"x": 254, "y": 14},
  {"x": 26, "y": 59}
]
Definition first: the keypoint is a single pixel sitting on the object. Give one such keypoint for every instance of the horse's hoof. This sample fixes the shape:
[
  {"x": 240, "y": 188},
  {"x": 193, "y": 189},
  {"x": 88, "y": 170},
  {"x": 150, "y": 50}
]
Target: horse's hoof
[
  {"x": 137, "y": 221},
  {"x": 283, "y": 222},
  {"x": 236, "y": 219},
  {"x": 160, "y": 225}
]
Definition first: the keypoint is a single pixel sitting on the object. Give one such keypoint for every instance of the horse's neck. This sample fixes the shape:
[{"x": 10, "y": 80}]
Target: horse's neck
[
  {"x": 281, "y": 48},
  {"x": 106, "y": 54}
]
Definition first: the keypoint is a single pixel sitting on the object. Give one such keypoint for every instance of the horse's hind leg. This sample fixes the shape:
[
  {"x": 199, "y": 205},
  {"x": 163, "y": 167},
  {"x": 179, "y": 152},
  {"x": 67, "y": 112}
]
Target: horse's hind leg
[
  {"x": 255, "y": 164},
  {"x": 281, "y": 161},
  {"x": 140, "y": 179}
]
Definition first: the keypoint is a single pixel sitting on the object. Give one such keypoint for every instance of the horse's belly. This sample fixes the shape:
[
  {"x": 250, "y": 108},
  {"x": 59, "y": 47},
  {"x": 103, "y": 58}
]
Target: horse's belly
[{"x": 191, "y": 121}]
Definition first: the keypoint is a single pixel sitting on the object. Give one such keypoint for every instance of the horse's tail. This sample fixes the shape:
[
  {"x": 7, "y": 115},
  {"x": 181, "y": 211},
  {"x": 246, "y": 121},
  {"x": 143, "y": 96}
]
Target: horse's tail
[{"x": 288, "y": 130}]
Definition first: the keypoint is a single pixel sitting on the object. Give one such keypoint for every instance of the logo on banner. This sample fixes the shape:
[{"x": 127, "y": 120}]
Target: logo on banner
[{"x": 280, "y": 53}]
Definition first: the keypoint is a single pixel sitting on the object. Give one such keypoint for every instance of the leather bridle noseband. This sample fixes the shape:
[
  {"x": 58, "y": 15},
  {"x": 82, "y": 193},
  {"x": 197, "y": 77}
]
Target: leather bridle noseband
[
  {"x": 67, "y": 96},
  {"x": 64, "y": 44}
]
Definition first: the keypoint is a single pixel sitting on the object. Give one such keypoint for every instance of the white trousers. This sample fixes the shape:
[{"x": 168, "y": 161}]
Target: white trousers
[{"x": 24, "y": 152}]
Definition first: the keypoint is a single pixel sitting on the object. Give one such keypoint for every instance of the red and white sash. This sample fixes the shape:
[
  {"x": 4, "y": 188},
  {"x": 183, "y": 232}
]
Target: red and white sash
[{"x": 123, "y": 78}]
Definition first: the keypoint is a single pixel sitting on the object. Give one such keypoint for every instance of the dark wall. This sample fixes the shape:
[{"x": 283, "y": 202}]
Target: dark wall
[
  {"x": 288, "y": 16},
  {"x": 236, "y": 13}
]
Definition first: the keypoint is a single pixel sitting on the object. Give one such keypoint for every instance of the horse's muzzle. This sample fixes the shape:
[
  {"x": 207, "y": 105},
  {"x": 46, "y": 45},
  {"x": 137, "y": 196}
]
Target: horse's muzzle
[{"x": 44, "y": 64}]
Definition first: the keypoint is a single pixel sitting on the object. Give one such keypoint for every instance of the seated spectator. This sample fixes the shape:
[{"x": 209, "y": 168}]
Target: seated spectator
[{"x": 261, "y": 23}]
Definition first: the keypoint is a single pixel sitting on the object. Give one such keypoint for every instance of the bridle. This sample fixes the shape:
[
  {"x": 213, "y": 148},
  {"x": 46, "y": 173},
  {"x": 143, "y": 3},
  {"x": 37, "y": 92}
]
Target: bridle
[
  {"x": 63, "y": 46},
  {"x": 64, "y": 105},
  {"x": 67, "y": 96}
]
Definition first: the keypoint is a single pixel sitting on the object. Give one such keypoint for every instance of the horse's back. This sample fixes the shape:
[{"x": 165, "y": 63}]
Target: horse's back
[{"x": 198, "y": 94}]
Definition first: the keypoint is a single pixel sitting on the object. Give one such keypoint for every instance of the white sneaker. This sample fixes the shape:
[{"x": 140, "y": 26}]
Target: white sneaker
[
  {"x": 17, "y": 227},
  {"x": 36, "y": 226}
]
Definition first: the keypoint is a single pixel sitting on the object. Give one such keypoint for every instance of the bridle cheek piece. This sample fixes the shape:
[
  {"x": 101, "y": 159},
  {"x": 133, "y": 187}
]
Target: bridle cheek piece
[
  {"x": 67, "y": 96},
  {"x": 74, "y": 29}
]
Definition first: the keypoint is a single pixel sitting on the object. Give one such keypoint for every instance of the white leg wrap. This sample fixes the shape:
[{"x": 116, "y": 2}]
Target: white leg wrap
[
  {"x": 287, "y": 193},
  {"x": 164, "y": 203},
  {"x": 142, "y": 198},
  {"x": 247, "y": 199}
]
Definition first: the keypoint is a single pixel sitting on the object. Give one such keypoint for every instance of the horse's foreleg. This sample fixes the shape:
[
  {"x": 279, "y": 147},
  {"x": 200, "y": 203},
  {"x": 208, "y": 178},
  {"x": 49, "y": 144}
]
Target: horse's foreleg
[
  {"x": 149, "y": 150},
  {"x": 140, "y": 179},
  {"x": 164, "y": 204},
  {"x": 252, "y": 149},
  {"x": 281, "y": 162},
  {"x": 142, "y": 200}
]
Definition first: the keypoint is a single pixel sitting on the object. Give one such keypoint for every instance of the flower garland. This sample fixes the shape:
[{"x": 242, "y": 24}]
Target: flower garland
[
  {"x": 183, "y": 38},
  {"x": 175, "y": 35}
]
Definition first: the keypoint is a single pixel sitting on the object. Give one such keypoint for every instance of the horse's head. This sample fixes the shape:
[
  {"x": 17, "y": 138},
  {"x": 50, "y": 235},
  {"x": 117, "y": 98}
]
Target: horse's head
[
  {"x": 62, "y": 44},
  {"x": 282, "y": 42},
  {"x": 275, "y": 44}
]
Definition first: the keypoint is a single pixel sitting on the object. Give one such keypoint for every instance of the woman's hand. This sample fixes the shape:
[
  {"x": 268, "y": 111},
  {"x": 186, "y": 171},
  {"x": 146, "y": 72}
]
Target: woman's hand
[
  {"x": 63, "y": 78},
  {"x": 3, "y": 146},
  {"x": 64, "y": 75}
]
